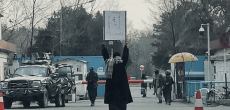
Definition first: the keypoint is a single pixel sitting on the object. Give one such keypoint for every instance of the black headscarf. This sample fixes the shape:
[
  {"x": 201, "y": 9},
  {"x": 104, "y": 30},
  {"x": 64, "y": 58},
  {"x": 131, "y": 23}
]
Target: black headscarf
[
  {"x": 116, "y": 54},
  {"x": 156, "y": 71}
]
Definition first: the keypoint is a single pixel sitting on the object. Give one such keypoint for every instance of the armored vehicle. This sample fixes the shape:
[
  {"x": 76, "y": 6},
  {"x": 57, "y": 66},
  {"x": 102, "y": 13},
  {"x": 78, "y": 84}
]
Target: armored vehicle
[
  {"x": 35, "y": 81},
  {"x": 67, "y": 79}
]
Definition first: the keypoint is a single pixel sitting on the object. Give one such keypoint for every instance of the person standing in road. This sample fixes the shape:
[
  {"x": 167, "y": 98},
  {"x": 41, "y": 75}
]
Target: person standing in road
[
  {"x": 167, "y": 87},
  {"x": 92, "y": 79},
  {"x": 117, "y": 91},
  {"x": 144, "y": 85},
  {"x": 105, "y": 53},
  {"x": 154, "y": 86},
  {"x": 150, "y": 85},
  {"x": 158, "y": 84}
]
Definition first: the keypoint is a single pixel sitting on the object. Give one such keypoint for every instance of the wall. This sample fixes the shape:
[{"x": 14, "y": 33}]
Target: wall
[
  {"x": 0, "y": 27},
  {"x": 218, "y": 65},
  {"x": 3, "y": 61},
  {"x": 196, "y": 70}
]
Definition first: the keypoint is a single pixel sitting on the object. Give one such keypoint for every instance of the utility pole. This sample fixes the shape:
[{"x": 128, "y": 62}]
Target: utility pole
[{"x": 61, "y": 19}]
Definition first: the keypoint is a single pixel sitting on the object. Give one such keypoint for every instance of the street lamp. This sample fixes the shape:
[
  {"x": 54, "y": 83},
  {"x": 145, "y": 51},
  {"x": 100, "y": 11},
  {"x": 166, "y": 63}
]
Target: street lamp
[{"x": 201, "y": 30}]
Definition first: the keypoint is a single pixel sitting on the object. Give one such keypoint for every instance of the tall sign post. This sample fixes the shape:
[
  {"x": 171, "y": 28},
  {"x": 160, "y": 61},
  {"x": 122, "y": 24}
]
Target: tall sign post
[
  {"x": 224, "y": 41},
  {"x": 141, "y": 68},
  {"x": 114, "y": 26}
]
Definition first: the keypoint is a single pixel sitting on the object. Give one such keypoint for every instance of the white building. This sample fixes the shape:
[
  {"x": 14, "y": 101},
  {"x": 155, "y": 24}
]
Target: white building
[
  {"x": 5, "y": 49},
  {"x": 218, "y": 67}
]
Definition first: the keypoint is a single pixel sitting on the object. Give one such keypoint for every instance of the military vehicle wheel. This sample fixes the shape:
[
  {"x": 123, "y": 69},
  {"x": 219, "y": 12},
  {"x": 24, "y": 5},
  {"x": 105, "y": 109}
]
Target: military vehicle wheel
[
  {"x": 43, "y": 99},
  {"x": 60, "y": 100},
  {"x": 26, "y": 104},
  {"x": 7, "y": 102}
]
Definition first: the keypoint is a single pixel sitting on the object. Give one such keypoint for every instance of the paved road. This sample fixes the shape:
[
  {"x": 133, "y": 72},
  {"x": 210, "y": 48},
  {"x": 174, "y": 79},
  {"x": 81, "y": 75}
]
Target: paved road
[{"x": 140, "y": 103}]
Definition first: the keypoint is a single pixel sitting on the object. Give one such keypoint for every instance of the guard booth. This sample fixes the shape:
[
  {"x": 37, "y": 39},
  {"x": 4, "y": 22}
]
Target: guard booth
[{"x": 178, "y": 73}]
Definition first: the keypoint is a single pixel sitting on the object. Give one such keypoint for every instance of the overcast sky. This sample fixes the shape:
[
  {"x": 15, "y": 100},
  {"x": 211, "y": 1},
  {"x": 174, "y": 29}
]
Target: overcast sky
[{"x": 137, "y": 12}]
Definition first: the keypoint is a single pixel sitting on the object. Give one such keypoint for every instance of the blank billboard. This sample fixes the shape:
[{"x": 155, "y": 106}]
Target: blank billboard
[{"x": 114, "y": 25}]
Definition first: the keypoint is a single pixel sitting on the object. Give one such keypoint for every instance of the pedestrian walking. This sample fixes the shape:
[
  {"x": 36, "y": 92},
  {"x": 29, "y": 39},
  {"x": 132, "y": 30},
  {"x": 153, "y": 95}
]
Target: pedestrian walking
[
  {"x": 167, "y": 87},
  {"x": 158, "y": 84},
  {"x": 92, "y": 78},
  {"x": 150, "y": 85},
  {"x": 117, "y": 91},
  {"x": 154, "y": 86},
  {"x": 143, "y": 86}
]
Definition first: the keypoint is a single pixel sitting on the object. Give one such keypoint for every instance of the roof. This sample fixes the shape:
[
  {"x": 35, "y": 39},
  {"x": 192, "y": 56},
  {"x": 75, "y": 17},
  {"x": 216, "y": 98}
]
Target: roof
[
  {"x": 215, "y": 45},
  {"x": 83, "y": 61},
  {"x": 7, "y": 46},
  {"x": 34, "y": 66},
  {"x": 95, "y": 61}
]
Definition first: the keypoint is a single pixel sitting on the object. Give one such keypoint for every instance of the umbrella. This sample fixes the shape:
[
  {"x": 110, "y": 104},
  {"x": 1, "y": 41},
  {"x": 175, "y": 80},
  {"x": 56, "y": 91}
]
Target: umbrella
[{"x": 183, "y": 57}]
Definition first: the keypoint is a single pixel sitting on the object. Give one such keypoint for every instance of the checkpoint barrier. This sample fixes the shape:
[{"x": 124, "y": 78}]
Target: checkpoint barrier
[
  {"x": 1, "y": 102},
  {"x": 130, "y": 81}
]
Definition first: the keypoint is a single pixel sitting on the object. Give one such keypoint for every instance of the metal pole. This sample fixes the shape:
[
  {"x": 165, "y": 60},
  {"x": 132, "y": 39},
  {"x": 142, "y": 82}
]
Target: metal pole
[
  {"x": 141, "y": 73},
  {"x": 226, "y": 85},
  {"x": 224, "y": 61},
  {"x": 225, "y": 76},
  {"x": 60, "y": 42},
  {"x": 208, "y": 51},
  {"x": 130, "y": 81}
]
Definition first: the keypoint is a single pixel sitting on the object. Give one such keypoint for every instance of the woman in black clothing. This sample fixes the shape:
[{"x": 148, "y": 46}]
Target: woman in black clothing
[{"x": 117, "y": 91}]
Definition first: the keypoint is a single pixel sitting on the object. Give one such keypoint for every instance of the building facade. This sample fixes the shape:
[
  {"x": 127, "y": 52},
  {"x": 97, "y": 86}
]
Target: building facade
[{"x": 5, "y": 49}]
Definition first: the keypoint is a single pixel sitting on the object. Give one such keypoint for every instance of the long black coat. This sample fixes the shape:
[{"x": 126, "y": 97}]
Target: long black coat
[
  {"x": 144, "y": 85},
  {"x": 92, "y": 79},
  {"x": 117, "y": 89}
]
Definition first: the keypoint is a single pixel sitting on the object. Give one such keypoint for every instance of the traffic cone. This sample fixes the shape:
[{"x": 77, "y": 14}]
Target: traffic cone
[
  {"x": 1, "y": 102},
  {"x": 198, "y": 102}
]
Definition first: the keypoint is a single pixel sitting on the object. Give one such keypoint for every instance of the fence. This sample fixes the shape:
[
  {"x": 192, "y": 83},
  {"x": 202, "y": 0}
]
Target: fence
[{"x": 194, "y": 85}]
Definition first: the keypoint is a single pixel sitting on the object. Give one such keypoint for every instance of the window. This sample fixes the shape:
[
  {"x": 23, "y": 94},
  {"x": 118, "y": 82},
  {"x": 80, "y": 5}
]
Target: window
[
  {"x": 63, "y": 71},
  {"x": 78, "y": 77},
  {"x": 79, "y": 68},
  {"x": 31, "y": 71}
]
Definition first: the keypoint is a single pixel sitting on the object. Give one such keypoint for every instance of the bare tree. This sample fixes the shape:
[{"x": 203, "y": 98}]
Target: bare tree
[
  {"x": 24, "y": 13},
  {"x": 132, "y": 39}
]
